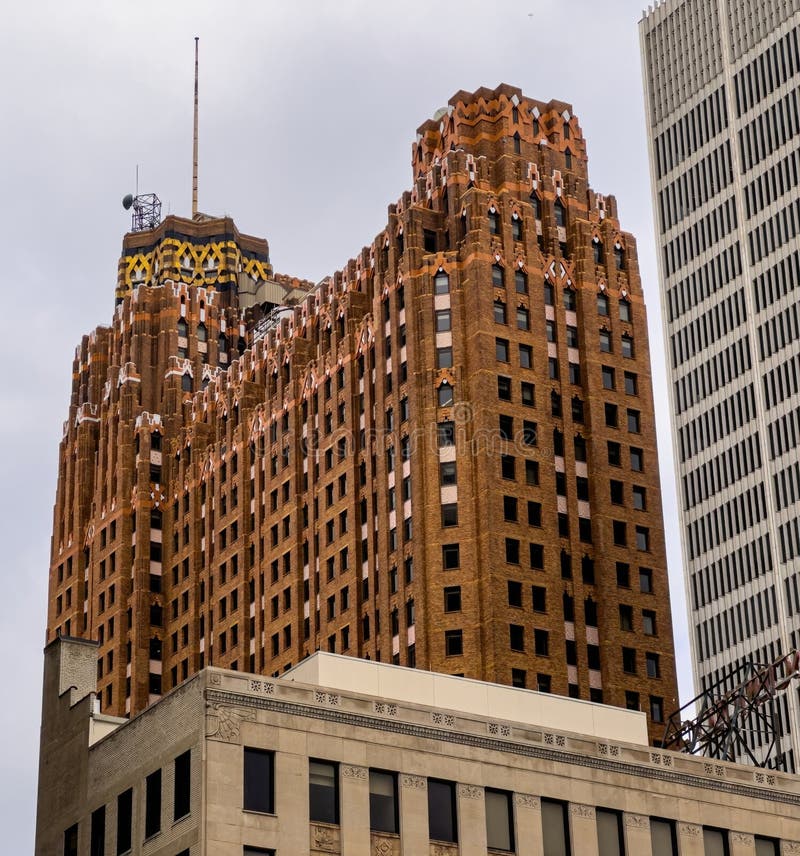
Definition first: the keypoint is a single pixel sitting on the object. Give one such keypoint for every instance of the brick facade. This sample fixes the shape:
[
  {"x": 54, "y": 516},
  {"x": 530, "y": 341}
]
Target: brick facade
[{"x": 241, "y": 485}]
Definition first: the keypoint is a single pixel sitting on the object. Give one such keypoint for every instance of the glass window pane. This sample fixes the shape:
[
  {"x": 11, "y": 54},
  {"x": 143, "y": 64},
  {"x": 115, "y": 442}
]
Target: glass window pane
[
  {"x": 554, "y": 828},
  {"x": 499, "y": 820},
  {"x": 382, "y": 801},
  {"x": 766, "y": 847},
  {"x": 323, "y": 792},
  {"x": 258, "y": 780},
  {"x": 662, "y": 837},
  {"x": 442, "y": 811},
  {"x": 609, "y": 833},
  {"x": 714, "y": 842}
]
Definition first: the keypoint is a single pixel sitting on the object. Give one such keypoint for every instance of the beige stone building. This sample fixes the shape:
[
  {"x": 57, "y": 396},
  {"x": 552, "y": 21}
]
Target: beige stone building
[{"x": 341, "y": 755}]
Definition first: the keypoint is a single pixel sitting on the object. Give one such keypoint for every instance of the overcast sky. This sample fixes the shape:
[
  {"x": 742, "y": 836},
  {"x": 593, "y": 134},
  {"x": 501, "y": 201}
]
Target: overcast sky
[{"x": 308, "y": 112}]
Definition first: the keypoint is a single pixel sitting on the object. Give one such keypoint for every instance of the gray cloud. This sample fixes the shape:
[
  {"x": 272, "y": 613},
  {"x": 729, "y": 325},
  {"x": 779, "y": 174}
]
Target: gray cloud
[{"x": 308, "y": 111}]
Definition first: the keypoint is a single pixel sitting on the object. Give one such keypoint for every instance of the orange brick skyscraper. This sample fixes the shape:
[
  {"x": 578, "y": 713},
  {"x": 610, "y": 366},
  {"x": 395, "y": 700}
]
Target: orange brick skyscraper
[{"x": 443, "y": 455}]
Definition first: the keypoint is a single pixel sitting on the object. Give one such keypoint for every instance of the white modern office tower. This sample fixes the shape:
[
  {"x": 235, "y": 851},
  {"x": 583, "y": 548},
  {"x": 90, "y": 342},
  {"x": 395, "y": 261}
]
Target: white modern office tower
[{"x": 722, "y": 93}]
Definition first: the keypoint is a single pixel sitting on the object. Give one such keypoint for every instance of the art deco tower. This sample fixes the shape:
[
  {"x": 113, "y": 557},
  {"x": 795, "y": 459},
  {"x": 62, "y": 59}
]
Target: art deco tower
[
  {"x": 723, "y": 112},
  {"x": 441, "y": 456}
]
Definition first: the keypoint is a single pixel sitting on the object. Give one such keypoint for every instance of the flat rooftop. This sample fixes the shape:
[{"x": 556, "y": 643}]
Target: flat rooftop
[{"x": 468, "y": 696}]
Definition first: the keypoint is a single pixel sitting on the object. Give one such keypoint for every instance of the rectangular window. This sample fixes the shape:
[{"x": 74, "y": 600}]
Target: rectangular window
[
  {"x": 499, "y": 820},
  {"x": 452, "y": 599},
  {"x": 715, "y": 842},
  {"x": 453, "y": 643},
  {"x": 152, "y": 812},
  {"x": 525, "y": 357},
  {"x": 97, "y": 845},
  {"x": 555, "y": 828},
  {"x": 501, "y": 350},
  {"x": 444, "y": 358},
  {"x": 541, "y": 643},
  {"x": 124, "y": 817},
  {"x": 663, "y": 839},
  {"x": 767, "y": 846},
  {"x": 450, "y": 514},
  {"x": 183, "y": 771},
  {"x": 443, "y": 321},
  {"x": 610, "y": 841},
  {"x": 259, "y": 781},
  {"x": 450, "y": 556},
  {"x": 442, "y": 817},
  {"x": 383, "y": 813},
  {"x": 71, "y": 841},
  {"x": 323, "y": 791}
]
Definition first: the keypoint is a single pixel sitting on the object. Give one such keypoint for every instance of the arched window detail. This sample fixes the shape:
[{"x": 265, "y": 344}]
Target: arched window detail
[
  {"x": 597, "y": 251},
  {"x": 520, "y": 281},
  {"x": 441, "y": 283},
  {"x": 536, "y": 204},
  {"x": 494, "y": 221},
  {"x": 202, "y": 333},
  {"x": 619, "y": 257},
  {"x": 566, "y": 131},
  {"x": 517, "y": 143},
  {"x": 561, "y": 213},
  {"x": 568, "y": 158},
  {"x": 183, "y": 327},
  {"x": 516, "y": 227},
  {"x": 186, "y": 382}
]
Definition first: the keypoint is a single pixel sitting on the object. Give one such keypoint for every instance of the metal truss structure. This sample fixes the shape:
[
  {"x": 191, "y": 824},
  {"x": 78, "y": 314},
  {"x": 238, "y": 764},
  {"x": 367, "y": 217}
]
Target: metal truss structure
[{"x": 738, "y": 724}]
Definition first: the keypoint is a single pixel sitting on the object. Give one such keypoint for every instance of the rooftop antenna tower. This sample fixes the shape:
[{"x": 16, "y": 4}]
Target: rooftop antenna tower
[
  {"x": 146, "y": 208},
  {"x": 194, "y": 140}
]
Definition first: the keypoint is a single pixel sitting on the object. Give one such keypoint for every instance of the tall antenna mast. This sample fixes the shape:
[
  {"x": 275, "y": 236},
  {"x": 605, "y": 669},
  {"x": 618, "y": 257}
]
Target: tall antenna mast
[{"x": 194, "y": 145}]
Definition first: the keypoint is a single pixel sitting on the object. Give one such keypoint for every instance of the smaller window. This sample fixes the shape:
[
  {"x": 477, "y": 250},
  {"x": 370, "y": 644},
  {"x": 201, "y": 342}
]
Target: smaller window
[
  {"x": 259, "y": 777},
  {"x": 627, "y": 346},
  {"x": 605, "y": 342},
  {"x": 501, "y": 350},
  {"x": 645, "y": 580},
  {"x": 637, "y": 460},
  {"x": 602, "y": 305},
  {"x": 653, "y": 665},
  {"x": 498, "y": 278},
  {"x": 450, "y": 556},
  {"x": 452, "y": 599},
  {"x": 639, "y": 497},
  {"x": 656, "y": 708},
  {"x": 611, "y": 415},
  {"x": 445, "y": 395},
  {"x": 453, "y": 643},
  {"x": 516, "y": 637},
  {"x": 443, "y": 321},
  {"x": 629, "y": 661},
  {"x": 444, "y": 358},
  {"x": 609, "y": 381},
  {"x": 625, "y": 311},
  {"x": 499, "y": 820},
  {"x": 525, "y": 357},
  {"x": 570, "y": 301},
  {"x": 499, "y": 312},
  {"x": 504, "y": 388},
  {"x": 441, "y": 283},
  {"x": 520, "y": 281},
  {"x": 383, "y": 809},
  {"x": 649, "y": 622},
  {"x": 541, "y": 642},
  {"x": 643, "y": 538},
  {"x": 323, "y": 791}
]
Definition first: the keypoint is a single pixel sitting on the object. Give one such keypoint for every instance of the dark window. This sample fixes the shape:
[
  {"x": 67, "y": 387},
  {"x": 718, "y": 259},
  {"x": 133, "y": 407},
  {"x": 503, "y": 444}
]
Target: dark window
[
  {"x": 525, "y": 356},
  {"x": 181, "y": 801},
  {"x": 629, "y": 661},
  {"x": 631, "y": 384},
  {"x": 152, "y": 813},
  {"x": 608, "y": 377},
  {"x": 514, "y": 593},
  {"x": 447, "y": 473},
  {"x": 610, "y": 840},
  {"x": 507, "y": 466},
  {"x": 442, "y": 818},
  {"x": 602, "y": 305},
  {"x": 512, "y": 551},
  {"x": 97, "y": 846},
  {"x": 450, "y": 514},
  {"x": 767, "y": 846},
  {"x": 323, "y": 791},
  {"x": 612, "y": 418},
  {"x": 499, "y": 312},
  {"x": 453, "y": 643},
  {"x": 259, "y": 775},
  {"x": 614, "y": 454},
  {"x": 555, "y": 828},
  {"x": 450, "y": 556},
  {"x": 446, "y": 434},
  {"x": 71, "y": 841},
  {"x": 663, "y": 839},
  {"x": 715, "y": 842},
  {"x": 444, "y": 358},
  {"x": 645, "y": 580},
  {"x": 497, "y": 276},
  {"x": 124, "y": 817},
  {"x": 656, "y": 709},
  {"x": 504, "y": 388},
  {"x": 501, "y": 350},
  {"x": 383, "y": 814},
  {"x": 516, "y": 637},
  {"x": 499, "y": 820},
  {"x": 452, "y": 599},
  {"x": 653, "y": 665},
  {"x": 539, "y": 598},
  {"x": 541, "y": 643}
]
